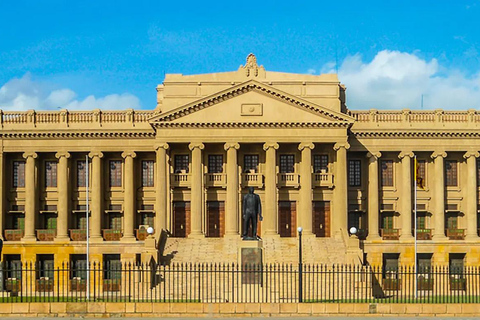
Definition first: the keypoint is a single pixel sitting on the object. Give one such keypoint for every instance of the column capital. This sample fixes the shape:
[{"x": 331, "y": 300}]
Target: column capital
[
  {"x": 304, "y": 145},
  {"x": 339, "y": 145},
  {"x": 163, "y": 145},
  {"x": 373, "y": 155},
  {"x": 469, "y": 154},
  {"x": 131, "y": 154},
  {"x": 404, "y": 154},
  {"x": 268, "y": 145},
  {"x": 27, "y": 155},
  {"x": 61, "y": 154},
  {"x": 94, "y": 154},
  {"x": 229, "y": 145},
  {"x": 195, "y": 145},
  {"x": 436, "y": 154}
]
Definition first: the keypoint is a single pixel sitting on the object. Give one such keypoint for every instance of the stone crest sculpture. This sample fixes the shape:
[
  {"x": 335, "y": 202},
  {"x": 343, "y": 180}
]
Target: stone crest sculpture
[{"x": 252, "y": 209}]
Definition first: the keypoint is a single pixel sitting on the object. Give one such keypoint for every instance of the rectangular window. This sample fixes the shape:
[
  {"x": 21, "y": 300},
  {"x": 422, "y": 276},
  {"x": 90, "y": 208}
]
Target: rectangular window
[
  {"x": 81, "y": 174},
  {"x": 451, "y": 173},
  {"x": 147, "y": 173},
  {"x": 45, "y": 266},
  {"x": 78, "y": 269},
  {"x": 387, "y": 221},
  {"x": 250, "y": 163},
  {"x": 354, "y": 173},
  {"x": 112, "y": 267},
  {"x": 387, "y": 173},
  {"x": 287, "y": 163},
  {"x": 50, "y": 221},
  {"x": 452, "y": 221},
  {"x": 456, "y": 266},
  {"x": 115, "y": 173},
  {"x": 215, "y": 163},
  {"x": 390, "y": 266},
  {"x": 181, "y": 163},
  {"x": 421, "y": 221},
  {"x": 19, "y": 174},
  {"x": 320, "y": 163},
  {"x": 421, "y": 173},
  {"x": 115, "y": 221},
  {"x": 51, "y": 174},
  {"x": 424, "y": 262}
]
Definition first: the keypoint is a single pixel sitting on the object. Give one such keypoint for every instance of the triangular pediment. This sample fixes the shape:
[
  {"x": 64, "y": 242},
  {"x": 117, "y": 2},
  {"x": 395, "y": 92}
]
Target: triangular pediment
[{"x": 251, "y": 102}]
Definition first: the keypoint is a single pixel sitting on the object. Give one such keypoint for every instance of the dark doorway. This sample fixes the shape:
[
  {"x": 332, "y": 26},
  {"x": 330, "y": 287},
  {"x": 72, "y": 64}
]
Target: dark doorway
[
  {"x": 287, "y": 222},
  {"x": 321, "y": 218},
  {"x": 181, "y": 219},
  {"x": 215, "y": 219}
]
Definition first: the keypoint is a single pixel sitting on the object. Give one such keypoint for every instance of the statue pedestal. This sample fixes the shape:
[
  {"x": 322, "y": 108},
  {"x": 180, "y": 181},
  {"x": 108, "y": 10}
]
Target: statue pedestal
[{"x": 250, "y": 261}]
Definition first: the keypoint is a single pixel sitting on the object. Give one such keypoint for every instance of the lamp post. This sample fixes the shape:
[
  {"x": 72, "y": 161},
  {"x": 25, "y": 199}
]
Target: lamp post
[{"x": 300, "y": 266}]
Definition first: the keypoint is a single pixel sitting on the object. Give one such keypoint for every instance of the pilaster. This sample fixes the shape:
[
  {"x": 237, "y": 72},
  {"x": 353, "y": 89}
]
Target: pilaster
[
  {"x": 196, "y": 189},
  {"x": 270, "y": 216},
  {"x": 63, "y": 196},
  {"x": 305, "y": 207},
  {"x": 129, "y": 194}
]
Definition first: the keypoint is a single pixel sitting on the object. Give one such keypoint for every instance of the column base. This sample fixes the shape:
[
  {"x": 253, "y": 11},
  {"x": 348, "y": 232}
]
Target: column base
[
  {"x": 96, "y": 239},
  {"x": 404, "y": 237},
  {"x": 196, "y": 236},
  {"x": 29, "y": 239},
  {"x": 471, "y": 237},
  {"x": 439, "y": 237},
  {"x": 374, "y": 238},
  {"x": 62, "y": 239},
  {"x": 128, "y": 239},
  {"x": 230, "y": 235}
]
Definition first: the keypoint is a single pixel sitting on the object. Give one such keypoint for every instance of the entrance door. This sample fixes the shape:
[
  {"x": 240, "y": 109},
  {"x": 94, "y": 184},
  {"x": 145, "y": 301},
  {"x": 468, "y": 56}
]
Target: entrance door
[
  {"x": 215, "y": 219},
  {"x": 287, "y": 221},
  {"x": 181, "y": 219},
  {"x": 321, "y": 218}
]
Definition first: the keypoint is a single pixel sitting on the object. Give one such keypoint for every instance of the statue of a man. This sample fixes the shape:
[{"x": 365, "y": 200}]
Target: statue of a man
[{"x": 252, "y": 207}]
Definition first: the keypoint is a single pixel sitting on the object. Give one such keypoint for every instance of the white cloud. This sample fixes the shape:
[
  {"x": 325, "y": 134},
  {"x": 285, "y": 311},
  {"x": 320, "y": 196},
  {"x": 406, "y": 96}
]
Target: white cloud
[
  {"x": 24, "y": 94},
  {"x": 396, "y": 80}
]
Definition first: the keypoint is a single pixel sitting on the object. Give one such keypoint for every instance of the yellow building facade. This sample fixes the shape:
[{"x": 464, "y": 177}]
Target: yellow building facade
[{"x": 186, "y": 165}]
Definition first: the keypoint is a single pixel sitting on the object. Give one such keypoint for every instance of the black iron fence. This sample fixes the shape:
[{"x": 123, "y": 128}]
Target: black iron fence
[{"x": 276, "y": 283}]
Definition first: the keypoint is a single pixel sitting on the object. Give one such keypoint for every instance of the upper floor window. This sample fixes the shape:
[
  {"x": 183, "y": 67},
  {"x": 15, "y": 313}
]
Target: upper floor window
[
  {"x": 181, "y": 163},
  {"x": 387, "y": 173},
  {"x": 287, "y": 163},
  {"x": 18, "y": 174},
  {"x": 147, "y": 173},
  {"x": 320, "y": 163},
  {"x": 215, "y": 163},
  {"x": 451, "y": 174},
  {"x": 115, "y": 173},
  {"x": 421, "y": 173},
  {"x": 354, "y": 173},
  {"x": 81, "y": 173},
  {"x": 51, "y": 174},
  {"x": 250, "y": 163}
]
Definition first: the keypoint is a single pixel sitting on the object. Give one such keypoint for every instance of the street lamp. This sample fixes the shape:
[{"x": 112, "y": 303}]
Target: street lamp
[
  {"x": 300, "y": 266},
  {"x": 150, "y": 230},
  {"x": 353, "y": 230}
]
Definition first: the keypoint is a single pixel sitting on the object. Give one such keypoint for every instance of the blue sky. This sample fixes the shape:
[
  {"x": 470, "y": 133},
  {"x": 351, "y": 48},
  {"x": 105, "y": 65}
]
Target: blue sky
[{"x": 112, "y": 54}]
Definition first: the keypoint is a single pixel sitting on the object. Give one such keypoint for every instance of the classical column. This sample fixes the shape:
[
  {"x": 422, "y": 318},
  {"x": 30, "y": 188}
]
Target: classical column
[
  {"x": 129, "y": 197},
  {"x": 30, "y": 196},
  {"x": 231, "y": 219},
  {"x": 63, "y": 188},
  {"x": 406, "y": 195},
  {"x": 373, "y": 205},
  {"x": 196, "y": 189},
  {"x": 439, "y": 195},
  {"x": 270, "y": 214},
  {"x": 2, "y": 196},
  {"x": 471, "y": 212},
  {"x": 305, "y": 206},
  {"x": 340, "y": 193},
  {"x": 96, "y": 196},
  {"x": 161, "y": 210}
]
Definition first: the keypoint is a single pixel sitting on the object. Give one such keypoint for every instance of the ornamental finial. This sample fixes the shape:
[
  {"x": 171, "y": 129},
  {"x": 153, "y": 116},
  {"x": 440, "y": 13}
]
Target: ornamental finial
[{"x": 251, "y": 67}]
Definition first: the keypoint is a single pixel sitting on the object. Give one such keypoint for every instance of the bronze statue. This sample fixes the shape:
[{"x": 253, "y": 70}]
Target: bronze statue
[{"x": 252, "y": 208}]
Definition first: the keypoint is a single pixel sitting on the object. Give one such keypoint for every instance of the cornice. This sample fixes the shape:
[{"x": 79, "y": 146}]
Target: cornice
[
  {"x": 415, "y": 134},
  {"x": 252, "y": 125},
  {"x": 75, "y": 135}
]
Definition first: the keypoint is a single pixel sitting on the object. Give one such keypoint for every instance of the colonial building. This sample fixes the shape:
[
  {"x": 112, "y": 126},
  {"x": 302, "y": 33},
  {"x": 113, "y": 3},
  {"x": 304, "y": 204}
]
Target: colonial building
[{"x": 186, "y": 165}]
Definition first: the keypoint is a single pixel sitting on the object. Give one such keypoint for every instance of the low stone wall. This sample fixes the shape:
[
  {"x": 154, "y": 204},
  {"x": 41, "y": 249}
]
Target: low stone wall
[{"x": 102, "y": 309}]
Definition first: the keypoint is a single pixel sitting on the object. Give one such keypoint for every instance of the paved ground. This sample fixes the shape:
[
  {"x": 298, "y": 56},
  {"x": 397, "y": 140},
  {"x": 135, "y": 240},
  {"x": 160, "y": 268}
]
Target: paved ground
[{"x": 299, "y": 318}]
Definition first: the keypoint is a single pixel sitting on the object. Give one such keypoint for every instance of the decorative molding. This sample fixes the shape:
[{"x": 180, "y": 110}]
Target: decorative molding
[
  {"x": 27, "y": 155},
  {"x": 229, "y": 145},
  {"x": 250, "y": 125},
  {"x": 162, "y": 145},
  {"x": 75, "y": 135},
  {"x": 436, "y": 154},
  {"x": 415, "y": 134},
  {"x": 374, "y": 155},
  {"x": 304, "y": 145},
  {"x": 339, "y": 145},
  {"x": 469, "y": 154},
  {"x": 251, "y": 67},
  {"x": 268, "y": 145},
  {"x": 131, "y": 154},
  {"x": 94, "y": 154},
  {"x": 195, "y": 145},
  {"x": 61, "y": 154},
  {"x": 404, "y": 154}
]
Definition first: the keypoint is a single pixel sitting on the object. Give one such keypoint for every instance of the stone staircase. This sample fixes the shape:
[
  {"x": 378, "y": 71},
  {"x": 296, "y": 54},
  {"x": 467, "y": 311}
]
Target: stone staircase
[{"x": 277, "y": 250}]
